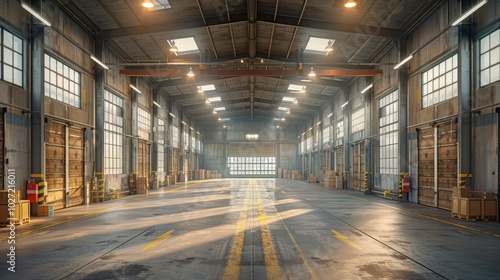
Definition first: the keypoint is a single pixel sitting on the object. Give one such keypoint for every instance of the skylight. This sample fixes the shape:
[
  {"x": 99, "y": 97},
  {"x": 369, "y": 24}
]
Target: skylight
[
  {"x": 219, "y": 109},
  {"x": 207, "y": 87},
  {"x": 283, "y": 108},
  {"x": 214, "y": 99},
  {"x": 318, "y": 45},
  {"x": 295, "y": 87},
  {"x": 252, "y": 136},
  {"x": 288, "y": 99},
  {"x": 185, "y": 45},
  {"x": 160, "y": 5},
  {"x": 226, "y": 119}
]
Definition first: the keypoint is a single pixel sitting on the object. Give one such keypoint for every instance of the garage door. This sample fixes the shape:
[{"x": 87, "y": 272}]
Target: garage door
[
  {"x": 325, "y": 160},
  {"x": 339, "y": 159},
  {"x": 437, "y": 164},
  {"x": 175, "y": 162},
  {"x": 252, "y": 160},
  {"x": 358, "y": 166}
]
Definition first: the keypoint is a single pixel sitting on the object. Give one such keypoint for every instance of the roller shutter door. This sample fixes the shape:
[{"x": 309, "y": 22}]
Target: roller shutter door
[
  {"x": 253, "y": 150},
  {"x": 143, "y": 159},
  {"x": 426, "y": 170},
  {"x": 339, "y": 159},
  {"x": 175, "y": 162},
  {"x": 55, "y": 162},
  {"x": 252, "y": 160}
]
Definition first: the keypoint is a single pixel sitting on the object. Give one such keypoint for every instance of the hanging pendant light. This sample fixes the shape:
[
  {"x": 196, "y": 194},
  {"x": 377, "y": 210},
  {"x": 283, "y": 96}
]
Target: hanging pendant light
[
  {"x": 190, "y": 73},
  {"x": 350, "y": 4},
  {"x": 147, "y": 4}
]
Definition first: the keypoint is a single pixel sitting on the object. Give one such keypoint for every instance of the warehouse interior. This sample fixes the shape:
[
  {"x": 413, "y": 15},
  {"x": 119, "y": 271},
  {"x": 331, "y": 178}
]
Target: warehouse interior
[{"x": 284, "y": 107}]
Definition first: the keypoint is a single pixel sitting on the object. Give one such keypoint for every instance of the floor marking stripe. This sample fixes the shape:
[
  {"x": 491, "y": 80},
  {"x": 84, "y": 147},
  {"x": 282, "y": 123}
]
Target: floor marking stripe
[
  {"x": 311, "y": 272},
  {"x": 160, "y": 239},
  {"x": 345, "y": 239},
  {"x": 232, "y": 270},
  {"x": 428, "y": 217},
  {"x": 273, "y": 269}
]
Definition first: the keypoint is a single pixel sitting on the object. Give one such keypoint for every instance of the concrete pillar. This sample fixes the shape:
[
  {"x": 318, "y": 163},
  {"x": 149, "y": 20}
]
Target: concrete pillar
[
  {"x": 99, "y": 78},
  {"x": 403, "y": 158},
  {"x": 347, "y": 131},
  {"x": 368, "y": 141},
  {"x": 154, "y": 148}
]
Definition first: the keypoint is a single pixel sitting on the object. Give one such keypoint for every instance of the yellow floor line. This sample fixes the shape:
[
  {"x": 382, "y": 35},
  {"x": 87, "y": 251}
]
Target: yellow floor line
[
  {"x": 273, "y": 269},
  {"x": 160, "y": 239},
  {"x": 429, "y": 217},
  {"x": 232, "y": 270},
  {"x": 345, "y": 239}
]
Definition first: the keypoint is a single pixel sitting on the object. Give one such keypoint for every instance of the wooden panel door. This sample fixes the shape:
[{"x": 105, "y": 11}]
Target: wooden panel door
[
  {"x": 55, "y": 164},
  {"x": 358, "y": 167},
  {"x": 426, "y": 164},
  {"x": 143, "y": 159},
  {"x": 447, "y": 151},
  {"x": 2, "y": 164},
  {"x": 76, "y": 142}
]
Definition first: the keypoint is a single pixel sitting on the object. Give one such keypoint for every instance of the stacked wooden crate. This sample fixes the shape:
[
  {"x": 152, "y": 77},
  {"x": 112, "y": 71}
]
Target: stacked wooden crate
[
  {"x": 312, "y": 178},
  {"x": 214, "y": 174},
  {"x": 287, "y": 174},
  {"x": 473, "y": 205},
  {"x": 199, "y": 174},
  {"x": 330, "y": 179},
  {"x": 19, "y": 212},
  {"x": 280, "y": 173},
  {"x": 142, "y": 185},
  {"x": 296, "y": 175}
]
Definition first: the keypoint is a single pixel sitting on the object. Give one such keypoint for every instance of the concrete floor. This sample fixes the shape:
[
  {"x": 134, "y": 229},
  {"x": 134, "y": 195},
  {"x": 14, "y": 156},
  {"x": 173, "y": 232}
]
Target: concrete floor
[{"x": 253, "y": 229}]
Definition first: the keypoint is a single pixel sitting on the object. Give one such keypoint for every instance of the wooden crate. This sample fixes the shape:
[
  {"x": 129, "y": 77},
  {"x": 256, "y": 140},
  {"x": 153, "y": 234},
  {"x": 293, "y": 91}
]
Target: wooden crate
[
  {"x": 21, "y": 212},
  {"x": 45, "y": 210},
  {"x": 462, "y": 192},
  {"x": 490, "y": 208},
  {"x": 455, "y": 207},
  {"x": 4, "y": 196},
  {"x": 471, "y": 208}
]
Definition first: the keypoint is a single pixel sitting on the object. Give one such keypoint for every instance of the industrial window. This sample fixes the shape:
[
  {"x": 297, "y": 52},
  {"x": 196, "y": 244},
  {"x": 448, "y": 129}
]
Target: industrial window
[
  {"x": 193, "y": 144},
  {"x": 175, "y": 136},
  {"x": 161, "y": 145},
  {"x": 303, "y": 145},
  {"x": 11, "y": 63},
  {"x": 309, "y": 143},
  {"x": 389, "y": 133},
  {"x": 198, "y": 146},
  {"x": 143, "y": 123},
  {"x": 339, "y": 133},
  {"x": 61, "y": 82},
  {"x": 185, "y": 140},
  {"x": 490, "y": 58},
  {"x": 440, "y": 83},
  {"x": 326, "y": 135},
  {"x": 358, "y": 120},
  {"x": 252, "y": 165},
  {"x": 113, "y": 133}
]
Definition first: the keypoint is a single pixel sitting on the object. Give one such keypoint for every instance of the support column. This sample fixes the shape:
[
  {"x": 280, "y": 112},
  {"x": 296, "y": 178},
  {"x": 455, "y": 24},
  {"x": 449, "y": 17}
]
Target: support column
[
  {"x": 134, "y": 161},
  {"x": 403, "y": 158},
  {"x": 154, "y": 148},
  {"x": 37, "y": 105},
  {"x": 464, "y": 102},
  {"x": 368, "y": 143},
  {"x": 347, "y": 131},
  {"x": 99, "y": 77}
]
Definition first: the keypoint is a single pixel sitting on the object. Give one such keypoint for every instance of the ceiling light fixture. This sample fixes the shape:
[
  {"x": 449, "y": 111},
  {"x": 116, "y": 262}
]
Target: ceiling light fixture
[
  {"x": 329, "y": 115},
  {"x": 303, "y": 90},
  {"x": 173, "y": 116},
  {"x": 35, "y": 14},
  {"x": 156, "y": 104},
  {"x": 329, "y": 46},
  {"x": 311, "y": 73},
  {"x": 190, "y": 73},
  {"x": 367, "y": 88},
  {"x": 174, "y": 48},
  {"x": 207, "y": 102},
  {"x": 469, "y": 12},
  {"x": 345, "y": 104},
  {"x": 283, "y": 119},
  {"x": 147, "y": 4},
  {"x": 350, "y": 4},
  {"x": 136, "y": 89},
  {"x": 99, "y": 62},
  {"x": 200, "y": 90},
  {"x": 403, "y": 62}
]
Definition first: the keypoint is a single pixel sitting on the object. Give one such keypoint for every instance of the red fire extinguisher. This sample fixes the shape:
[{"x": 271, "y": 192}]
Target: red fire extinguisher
[
  {"x": 406, "y": 183},
  {"x": 32, "y": 191}
]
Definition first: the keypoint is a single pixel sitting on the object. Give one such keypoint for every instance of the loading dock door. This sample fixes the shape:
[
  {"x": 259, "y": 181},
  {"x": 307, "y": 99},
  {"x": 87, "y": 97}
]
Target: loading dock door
[
  {"x": 437, "y": 164},
  {"x": 1, "y": 151},
  {"x": 358, "y": 166},
  {"x": 143, "y": 160},
  {"x": 64, "y": 165},
  {"x": 175, "y": 162},
  {"x": 76, "y": 165},
  {"x": 252, "y": 160},
  {"x": 339, "y": 163},
  {"x": 55, "y": 162}
]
